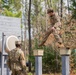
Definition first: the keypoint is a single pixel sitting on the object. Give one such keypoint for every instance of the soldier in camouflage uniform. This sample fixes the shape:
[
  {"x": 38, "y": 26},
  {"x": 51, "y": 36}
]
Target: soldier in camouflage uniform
[
  {"x": 54, "y": 28},
  {"x": 16, "y": 60}
]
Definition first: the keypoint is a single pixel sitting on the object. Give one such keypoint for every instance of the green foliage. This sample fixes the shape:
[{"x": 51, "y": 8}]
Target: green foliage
[
  {"x": 36, "y": 45},
  {"x": 6, "y": 12},
  {"x": 74, "y": 58},
  {"x": 29, "y": 73},
  {"x": 54, "y": 4},
  {"x": 15, "y": 5},
  {"x": 51, "y": 59},
  {"x": 11, "y": 8},
  {"x": 73, "y": 8}
]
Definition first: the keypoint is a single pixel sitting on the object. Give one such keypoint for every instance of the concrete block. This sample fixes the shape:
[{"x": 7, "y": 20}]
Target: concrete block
[
  {"x": 38, "y": 52},
  {"x": 65, "y": 51}
]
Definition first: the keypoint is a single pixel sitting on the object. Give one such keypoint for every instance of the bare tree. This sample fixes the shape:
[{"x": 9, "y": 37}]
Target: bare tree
[
  {"x": 29, "y": 31},
  {"x": 61, "y": 8}
]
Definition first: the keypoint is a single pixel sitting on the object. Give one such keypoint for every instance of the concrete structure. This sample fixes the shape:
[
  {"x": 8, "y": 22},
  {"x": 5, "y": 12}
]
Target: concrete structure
[{"x": 10, "y": 26}]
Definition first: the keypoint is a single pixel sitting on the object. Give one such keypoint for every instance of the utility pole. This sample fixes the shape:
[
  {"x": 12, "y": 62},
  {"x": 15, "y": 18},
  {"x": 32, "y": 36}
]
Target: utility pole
[{"x": 29, "y": 31}]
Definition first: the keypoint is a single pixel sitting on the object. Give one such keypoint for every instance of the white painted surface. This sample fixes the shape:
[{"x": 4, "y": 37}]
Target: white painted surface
[
  {"x": 9, "y": 44},
  {"x": 10, "y": 26}
]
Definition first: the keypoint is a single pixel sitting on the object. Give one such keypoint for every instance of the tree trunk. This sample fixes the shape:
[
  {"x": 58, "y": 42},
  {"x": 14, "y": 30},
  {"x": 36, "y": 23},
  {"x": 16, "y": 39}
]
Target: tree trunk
[
  {"x": 29, "y": 31},
  {"x": 61, "y": 8},
  {"x": 68, "y": 6}
]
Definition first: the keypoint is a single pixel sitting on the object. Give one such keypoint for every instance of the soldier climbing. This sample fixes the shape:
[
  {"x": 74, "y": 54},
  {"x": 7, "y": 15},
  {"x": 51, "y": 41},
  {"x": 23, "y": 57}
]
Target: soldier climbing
[{"x": 55, "y": 27}]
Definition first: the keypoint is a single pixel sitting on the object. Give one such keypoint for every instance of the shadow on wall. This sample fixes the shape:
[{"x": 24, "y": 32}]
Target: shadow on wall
[
  {"x": 0, "y": 63},
  {"x": 0, "y": 60}
]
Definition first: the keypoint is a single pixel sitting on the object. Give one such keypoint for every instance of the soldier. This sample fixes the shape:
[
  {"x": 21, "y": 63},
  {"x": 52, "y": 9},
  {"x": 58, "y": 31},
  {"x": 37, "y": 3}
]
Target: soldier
[
  {"x": 54, "y": 28},
  {"x": 16, "y": 60}
]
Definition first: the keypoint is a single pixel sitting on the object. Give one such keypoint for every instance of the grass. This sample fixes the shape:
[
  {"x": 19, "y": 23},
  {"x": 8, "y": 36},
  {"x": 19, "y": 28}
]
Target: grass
[
  {"x": 30, "y": 74},
  {"x": 51, "y": 74},
  {"x": 44, "y": 74}
]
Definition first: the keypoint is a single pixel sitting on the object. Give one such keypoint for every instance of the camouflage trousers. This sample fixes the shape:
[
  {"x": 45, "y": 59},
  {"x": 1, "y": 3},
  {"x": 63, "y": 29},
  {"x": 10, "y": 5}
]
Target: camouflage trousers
[
  {"x": 55, "y": 32},
  {"x": 18, "y": 72}
]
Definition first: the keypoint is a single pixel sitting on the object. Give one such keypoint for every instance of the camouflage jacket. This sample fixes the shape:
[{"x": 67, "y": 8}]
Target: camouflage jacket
[
  {"x": 55, "y": 21},
  {"x": 14, "y": 59}
]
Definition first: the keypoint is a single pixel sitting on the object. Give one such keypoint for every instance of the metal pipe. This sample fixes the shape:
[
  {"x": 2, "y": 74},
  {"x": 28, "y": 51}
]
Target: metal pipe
[{"x": 65, "y": 65}]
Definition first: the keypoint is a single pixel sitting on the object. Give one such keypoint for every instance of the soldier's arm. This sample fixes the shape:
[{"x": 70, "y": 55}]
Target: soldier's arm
[
  {"x": 22, "y": 60},
  {"x": 58, "y": 23}
]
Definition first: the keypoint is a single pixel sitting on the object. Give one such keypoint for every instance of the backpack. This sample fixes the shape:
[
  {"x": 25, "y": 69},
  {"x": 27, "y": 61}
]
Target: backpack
[{"x": 13, "y": 60}]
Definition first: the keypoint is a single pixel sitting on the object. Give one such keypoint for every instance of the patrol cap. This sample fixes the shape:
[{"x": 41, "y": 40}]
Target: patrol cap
[
  {"x": 49, "y": 10},
  {"x": 18, "y": 42}
]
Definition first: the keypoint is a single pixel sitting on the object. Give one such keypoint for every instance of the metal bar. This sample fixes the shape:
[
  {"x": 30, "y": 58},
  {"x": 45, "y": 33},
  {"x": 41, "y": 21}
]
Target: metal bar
[
  {"x": 38, "y": 65},
  {"x": 2, "y": 57},
  {"x": 65, "y": 65}
]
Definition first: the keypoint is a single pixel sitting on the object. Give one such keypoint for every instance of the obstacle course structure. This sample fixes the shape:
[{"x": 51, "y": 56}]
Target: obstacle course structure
[{"x": 6, "y": 44}]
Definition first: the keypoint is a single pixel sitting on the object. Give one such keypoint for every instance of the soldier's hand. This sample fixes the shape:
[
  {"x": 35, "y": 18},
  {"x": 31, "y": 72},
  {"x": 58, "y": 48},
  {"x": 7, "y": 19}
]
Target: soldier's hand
[{"x": 53, "y": 28}]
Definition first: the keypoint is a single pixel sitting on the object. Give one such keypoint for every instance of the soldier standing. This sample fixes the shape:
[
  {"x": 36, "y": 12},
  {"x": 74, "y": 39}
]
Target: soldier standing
[
  {"x": 16, "y": 60},
  {"x": 55, "y": 26}
]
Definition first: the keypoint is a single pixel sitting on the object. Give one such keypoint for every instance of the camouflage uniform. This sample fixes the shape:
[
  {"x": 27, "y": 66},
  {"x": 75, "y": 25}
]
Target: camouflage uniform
[
  {"x": 16, "y": 62},
  {"x": 54, "y": 28}
]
